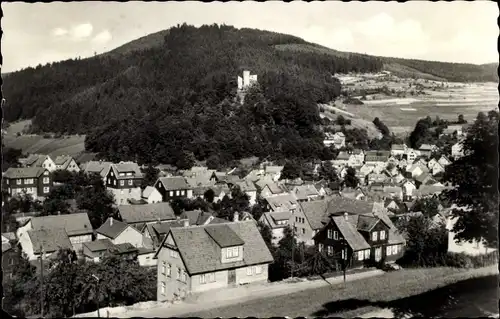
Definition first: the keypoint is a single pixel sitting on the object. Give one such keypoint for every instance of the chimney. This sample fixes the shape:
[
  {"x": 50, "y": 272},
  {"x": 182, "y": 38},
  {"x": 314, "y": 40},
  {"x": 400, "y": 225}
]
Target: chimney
[
  {"x": 111, "y": 221},
  {"x": 186, "y": 222},
  {"x": 346, "y": 216},
  {"x": 236, "y": 216}
]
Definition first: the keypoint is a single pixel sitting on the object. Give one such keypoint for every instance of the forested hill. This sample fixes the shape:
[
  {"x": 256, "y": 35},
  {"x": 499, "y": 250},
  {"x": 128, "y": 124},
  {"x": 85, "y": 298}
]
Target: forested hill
[{"x": 170, "y": 97}]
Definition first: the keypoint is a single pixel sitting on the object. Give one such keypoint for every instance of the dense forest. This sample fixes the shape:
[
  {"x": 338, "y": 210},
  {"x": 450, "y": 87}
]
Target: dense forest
[{"x": 175, "y": 100}]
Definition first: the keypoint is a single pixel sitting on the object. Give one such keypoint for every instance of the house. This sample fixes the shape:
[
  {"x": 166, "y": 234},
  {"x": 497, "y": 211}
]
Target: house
[
  {"x": 35, "y": 181},
  {"x": 44, "y": 242},
  {"x": 376, "y": 178},
  {"x": 269, "y": 188},
  {"x": 336, "y": 140},
  {"x": 377, "y": 157},
  {"x": 199, "y": 176},
  {"x": 353, "y": 193},
  {"x": 136, "y": 215},
  {"x": 431, "y": 163},
  {"x": 274, "y": 172},
  {"x": 281, "y": 203},
  {"x": 341, "y": 160},
  {"x": 154, "y": 233},
  {"x": 411, "y": 154},
  {"x": 457, "y": 150},
  {"x": 392, "y": 205},
  {"x": 444, "y": 161},
  {"x": 97, "y": 167},
  {"x": 365, "y": 170},
  {"x": 437, "y": 169},
  {"x": 393, "y": 161},
  {"x": 124, "y": 181},
  {"x": 429, "y": 190},
  {"x": 427, "y": 149},
  {"x": 219, "y": 190},
  {"x": 36, "y": 160},
  {"x": 473, "y": 248},
  {"x": 304, "y": 193},
  {"x": 119, "y": 232},
  {"x": 96, "y": 250},
  {"x": 201, "y": 258},
  {"x": 277, "y": 222},
  {"x": 248, "y": 188},
  {"x": 173, "y": 187},
  {"x": 356, "y": 239},
  {"x": 77, "y": 228},
  {"x": 246, "y": 81},
  {"x": 409, "y": 188},
  {"x": 393, "y": 191},
  {"x": 424, "y": 179},
  {"x": 199, "y": 218},
  {"x": 222, "y": 178},
  {"x": 151, "y": 195},
  {"x": 255, "y": 175},
  {"x": 67, "y": 163},
  {"x": 416, "y": 169},
  {"x": 398, "y": 149}
]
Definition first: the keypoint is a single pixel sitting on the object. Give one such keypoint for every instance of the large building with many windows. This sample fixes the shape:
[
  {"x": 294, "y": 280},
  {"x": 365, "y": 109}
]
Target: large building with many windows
[{"x": 35, "y": 181}]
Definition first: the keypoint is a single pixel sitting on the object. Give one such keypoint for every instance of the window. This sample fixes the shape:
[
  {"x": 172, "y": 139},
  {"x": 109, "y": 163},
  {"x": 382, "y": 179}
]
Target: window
[
  {"x": 320, "y": 247},
  {"x": 178, "y": 275},
  {"x": 330, "y": 250},
  {"x": 183, "y": 276},
  {"x": 374, "y": 236},
  {"x": 394, "y": 249},
  {"x": 130, "y": 182},
  {"x": 18, "y": 182},
  {"x": 109, "y": 180},
  {"x": 330, "y": 234},
  {"x": 361, "y": 255},
  {"x": 303, "y": 231},
  {"x": 335, "y": 235},
  {"x": 45, "y": 180},
  {"x": 122, "y": 183},
  {"x": 174, "y": 254},
  {"x": 171, "y": 193},
  {"x": 182, "y": 193},
  {"x": 114, "y": 182},
  {"x": 388, "y": 251},
  {"x": 45, "y": 189},
  {"x": 129, "y": 174},
  {"x": 258, "y": 270},
  {"x": 367, "y": 253},
  {"x": 163, "y": 287},
  {"x": 28, "y": 181},
  {"x": 203, "y": 280},
  {"x": 249, "y": 271},
  {"x": 164, "y": 268},
  {"x": 176, "y": 193},
  {"x": 344, "y": 254},
  {"x": 211, "y": 277},
  {"x": 382, "y": 235}
]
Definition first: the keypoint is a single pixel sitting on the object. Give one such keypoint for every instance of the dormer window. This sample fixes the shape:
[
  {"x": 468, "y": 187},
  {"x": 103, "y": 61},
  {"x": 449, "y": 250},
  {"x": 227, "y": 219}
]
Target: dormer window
[
  {"x": 335, "y": 235},
  {"x": 129, "y": 174},
  {"x": 374, "y": 236},
  {"x": 122, "y": 174},
  {"x": 329, "y": 233},
  {"x": 382, "y": 235},
  {"x": 232, "y": 252}
]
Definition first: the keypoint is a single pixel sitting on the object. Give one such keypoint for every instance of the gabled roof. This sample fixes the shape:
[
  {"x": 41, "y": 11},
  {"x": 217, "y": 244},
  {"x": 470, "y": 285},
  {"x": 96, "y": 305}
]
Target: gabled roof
[
  {"x": 302, "y": 192},
  {"x": 24, "y": 172},
  {"x": 123, "y": 248},
  {"x": 85, "y": 157},
  {"x": 174, "y": 183},
  {"x": 247, "y": 186},
  {"x": 281, "y": 202},
  {"x": 197, "y": 217},
  {"x": 98, "y": 167},
  {"x": 354, "y": 239},
  {"x": 422, "y": 177},
  {"x": 280, "y": 216},
  {"x": 125, "y": 168},
  {"x": 63, "y": 160},
  {"x": 73, "y": 224},
  {"x": 201, "y": 254},
  {"x": 272, "y": 221},
  {"x": 224, "y": 236},
  {"x": 99, "y": 245},
  {"x": 343, "y": 156},
  {"x": 6, "y": 247},
  {"x": 148, "y": 191},
  {"x": 112, "y": 228},
  {"x": 366, "y": 223},
  {"x": 49, "y": 240},
  {"x": 158, "y": 231},
  {"x": 398, "y": 147},
  {"x": 146, "y": 213},
  {"x": 273, "y": 169},
  {"x": 427, "y": 147}
]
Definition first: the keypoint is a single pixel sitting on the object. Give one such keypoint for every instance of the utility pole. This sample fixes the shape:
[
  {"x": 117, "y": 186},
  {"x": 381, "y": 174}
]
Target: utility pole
[
  {"x": 41, "y": 280},
  {"x": 97, "y": 295},
  {"x": 293, "y": 246}
]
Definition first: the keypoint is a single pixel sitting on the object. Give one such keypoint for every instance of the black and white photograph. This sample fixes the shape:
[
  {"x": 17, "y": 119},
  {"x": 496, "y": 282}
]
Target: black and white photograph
[{"x": 250, "y": 159}]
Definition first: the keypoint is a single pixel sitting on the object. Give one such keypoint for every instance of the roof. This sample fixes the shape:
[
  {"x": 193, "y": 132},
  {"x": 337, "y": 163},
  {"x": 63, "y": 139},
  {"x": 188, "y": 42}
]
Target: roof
[
  {"x": 98, "y": 245},
  {"x": 6, "y": 247},
  {"x": 85, "y": 157},
  {"x": 425, "y": 190},
  {"x": 99, "y": 167},
  {"x": 126, "y": 167},
  {"x": 224, "y": 236},
  {"x": 316, "y": 211},
  {"x": 422, "y": 177},
  {"x": 197, "y": 217},
  {"x": 398, "y": 147},
  {"x": 273, "y": 218},
  {"x": 112, "y": 228},
  {"x": 73, "y": 224},
  {"x": 371, "y": 158},
  {"x": 273, "y": 169},
  {"x": 281, "y": 202},
  {"x": 123, "y": 248},
  {"x": 366, "y": 223},
  {"x": 174, "y": 183},
  {"x": 343, "y": 156},
  {"x": 280, "y": 215},
  {"x": 148, "y": 191},
  {"x": 302, "y": 192},
  {"x": 350, "y": 233},
  {"x": 63, "y": 160},
  {"x": 227, "y": 178},
  {"x": 247, "y": 186},
  {"x": 427, "y": 147},
  {"x": 200, "y": 253},
  {"x": 11, "y": 236},
  {"x": 145, "y": 213},
  {"x": 24, "y": 172},
  {"x": 159, "y": 230},
  {"x": 49, "y": 240}
]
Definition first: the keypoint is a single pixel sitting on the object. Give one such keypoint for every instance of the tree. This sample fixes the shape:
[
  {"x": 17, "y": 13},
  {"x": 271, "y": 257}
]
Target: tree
[
  {"x": 474, "y": 177},
  {"x": 99, "y": 204},
  {"x": 328, "y": 173},
  {"x": 56, "y": 201},
  {"x": 461, "y": 119},
  {"x": 209, "y": 195},
  {"x": 10, "y": 157},
  {"x": 428, "y": 206},
  {"x": 213, "y": 162},
  {"x": 267, "y": 235},
  {"x": 151, "y": 174},
  {"x": 350, "y": 179},
  {"x": 186, "y": 160},
  {"x": 291, "y": 170}
]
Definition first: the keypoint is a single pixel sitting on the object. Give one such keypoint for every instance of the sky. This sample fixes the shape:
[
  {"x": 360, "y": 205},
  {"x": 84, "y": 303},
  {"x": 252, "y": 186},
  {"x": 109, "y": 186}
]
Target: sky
[{"x": 455, "y": 31}]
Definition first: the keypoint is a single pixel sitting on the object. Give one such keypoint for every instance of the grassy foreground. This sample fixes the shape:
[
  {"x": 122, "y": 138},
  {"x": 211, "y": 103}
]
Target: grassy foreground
[{"x": 388, "y": 287}]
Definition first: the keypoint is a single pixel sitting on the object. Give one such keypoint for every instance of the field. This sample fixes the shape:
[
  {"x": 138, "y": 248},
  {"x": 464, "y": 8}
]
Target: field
[{"x": 36, "y": 144}]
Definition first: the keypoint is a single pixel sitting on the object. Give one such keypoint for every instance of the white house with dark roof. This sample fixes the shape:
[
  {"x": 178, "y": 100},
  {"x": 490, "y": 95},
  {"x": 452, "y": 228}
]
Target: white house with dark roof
[
  {"x": 304, "y": 193},
  {"x": 94, "y": 251},
  {"x": 37, "y": 160},
  {"x": 136, "y": 215},
  {"x": 124, "y": 180},
  {"x": 119, "y": 232},
  {"x": 46, "y": 241},
  {"x": 173, "y": 187},
  {"x": 97, "y": 167},
  {"x": 398, "y": 149},
  {"x": 67, "y": 163},
  {"x": 277, "y": 222},
  {"x": 201, "y": 258},
  {"x": 77, "y": 227},
  {"x": 151, "y": 195}
]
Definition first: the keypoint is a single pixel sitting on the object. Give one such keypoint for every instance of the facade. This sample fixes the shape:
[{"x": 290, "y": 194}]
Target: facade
[
  {"x": 124, "y": 181},
  {"x": 277, "y": 222},
  {"x": 233, "y": 254},
  {"x": 444, "y": 161},
  {"x": 173, "y": 187},
  {"x": 65, "y": 162},
  {"x": 409, "y": 189},
  {"x": 120, "y": 233},
  {"x": 35, "y": 181},
  {"x": 427, "y": 149},
  {"x": 411, "y": 154},
  {"x": 151, "y": 195},
  {"x": 9, "y": 256}
]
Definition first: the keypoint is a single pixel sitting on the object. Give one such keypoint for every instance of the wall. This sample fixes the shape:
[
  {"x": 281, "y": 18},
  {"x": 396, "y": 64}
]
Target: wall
[
  {"x": 221, "y": 279},
  {"x": 224, "y": 258},
  {"x": 155, "y": 197},
  {"x": 78, "y": 240},
  {"x": 130, "y": 235},
  {"x": 147, "y": 260},
  {"x": 278, "y": 234},
  {"x": 26, "y": 245},
  {"x": 304, "y": 232},
  {"x": 122, "y": 195},
  {"x": 173, "y": 286},
  {"x": 253, "y": 197},
  {"x": 243, "y": 278}
]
